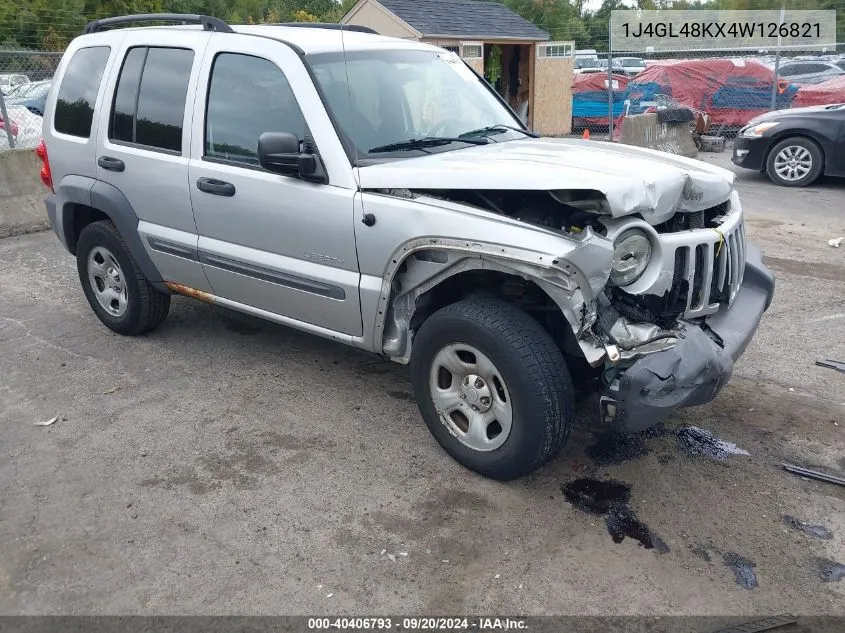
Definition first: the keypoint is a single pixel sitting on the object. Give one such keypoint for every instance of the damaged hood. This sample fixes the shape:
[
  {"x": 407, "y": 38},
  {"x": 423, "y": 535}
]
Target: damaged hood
[{"x": 632, "y": 179}]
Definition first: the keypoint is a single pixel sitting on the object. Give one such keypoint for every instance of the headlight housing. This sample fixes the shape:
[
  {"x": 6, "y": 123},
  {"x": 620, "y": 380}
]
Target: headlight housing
[
  {"x": 631, "y": 255},
  {"x": 757, "y": 130}
]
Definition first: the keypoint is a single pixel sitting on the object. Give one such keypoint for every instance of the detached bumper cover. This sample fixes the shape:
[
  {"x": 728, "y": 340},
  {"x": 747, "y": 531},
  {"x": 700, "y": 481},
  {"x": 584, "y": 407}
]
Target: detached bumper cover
[{"x": 696, "y": 369}]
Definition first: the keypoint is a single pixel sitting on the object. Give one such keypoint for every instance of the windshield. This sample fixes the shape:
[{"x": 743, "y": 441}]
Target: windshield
[
  {"x": 632, "y": 62},
  {"x": 397, "y": 96},
  {"x": 588, "y": 62}
]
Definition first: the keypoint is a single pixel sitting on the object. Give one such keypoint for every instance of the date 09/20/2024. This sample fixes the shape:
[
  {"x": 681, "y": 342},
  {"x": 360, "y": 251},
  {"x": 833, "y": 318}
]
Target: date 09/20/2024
[{"x": 417, "y": 624}]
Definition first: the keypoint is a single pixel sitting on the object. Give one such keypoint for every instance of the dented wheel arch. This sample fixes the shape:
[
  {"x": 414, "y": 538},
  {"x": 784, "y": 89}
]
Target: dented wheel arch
[{"x": 571, "y": 281}]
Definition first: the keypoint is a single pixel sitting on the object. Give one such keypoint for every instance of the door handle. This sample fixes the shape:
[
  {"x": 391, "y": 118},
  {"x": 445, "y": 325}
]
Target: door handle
[
  {"x": 216, "y": 187},
  {"x": 110, "y": 163}
]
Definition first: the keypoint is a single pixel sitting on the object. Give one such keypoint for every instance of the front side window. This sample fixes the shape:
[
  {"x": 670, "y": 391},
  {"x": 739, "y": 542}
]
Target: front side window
[
  {"x": 380, "y": 98},
  {"x": 247, "y": 96},
  {"x": 78, "y": 93},
  {"x": 149, "y": 102}
]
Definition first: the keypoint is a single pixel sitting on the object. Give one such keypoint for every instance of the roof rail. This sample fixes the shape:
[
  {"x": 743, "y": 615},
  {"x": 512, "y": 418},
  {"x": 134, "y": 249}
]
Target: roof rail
[
  {"x": 329, "y": 25},
  {"x": 208, "y": 23}
]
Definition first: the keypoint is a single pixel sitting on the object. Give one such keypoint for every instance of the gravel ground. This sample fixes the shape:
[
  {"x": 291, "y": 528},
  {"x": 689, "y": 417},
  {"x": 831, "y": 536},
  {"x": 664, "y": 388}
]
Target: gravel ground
[{"x": 226, "y": 465}]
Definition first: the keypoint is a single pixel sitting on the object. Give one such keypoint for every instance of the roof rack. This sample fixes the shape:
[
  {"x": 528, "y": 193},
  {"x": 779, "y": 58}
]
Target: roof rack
[
  {"x": 329, "y": 25},
  {"x": 208, "y": 23}
]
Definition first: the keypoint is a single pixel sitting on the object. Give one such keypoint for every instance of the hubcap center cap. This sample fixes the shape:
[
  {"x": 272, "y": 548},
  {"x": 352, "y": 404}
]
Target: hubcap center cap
[{"x": 476, "y": 392}]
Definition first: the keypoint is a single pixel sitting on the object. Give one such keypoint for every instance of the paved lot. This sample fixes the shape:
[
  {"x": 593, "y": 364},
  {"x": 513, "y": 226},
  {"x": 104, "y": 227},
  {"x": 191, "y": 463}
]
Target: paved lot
[{"x": 223, "y": 464}]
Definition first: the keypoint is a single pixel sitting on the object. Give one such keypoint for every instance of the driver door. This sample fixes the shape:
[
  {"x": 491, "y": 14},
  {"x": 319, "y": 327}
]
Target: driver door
[{"x": 276, "y": 243}]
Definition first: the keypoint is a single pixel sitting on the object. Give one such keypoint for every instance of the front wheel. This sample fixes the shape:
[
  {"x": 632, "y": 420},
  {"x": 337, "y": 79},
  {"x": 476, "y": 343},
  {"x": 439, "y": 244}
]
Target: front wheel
[
  {"x": 492, "y": 387},
  {"x": 795, "y": 162}
]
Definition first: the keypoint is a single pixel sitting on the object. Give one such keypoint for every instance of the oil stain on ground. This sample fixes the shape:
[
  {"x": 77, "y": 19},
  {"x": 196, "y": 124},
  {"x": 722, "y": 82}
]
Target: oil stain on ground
[
  {"x": 695, "y": 441},
  {"x": 819, "y": 531},
  {"x": 610, "y": 499},
  {"x": 617, "y": 448},
  {"x": 830, "y": 570},
  {"x": 742, "y": 568}
]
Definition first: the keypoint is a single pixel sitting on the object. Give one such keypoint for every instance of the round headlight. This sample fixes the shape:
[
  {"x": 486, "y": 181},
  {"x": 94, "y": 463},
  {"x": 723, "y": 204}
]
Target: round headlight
[{"x": 630, "y": 258}]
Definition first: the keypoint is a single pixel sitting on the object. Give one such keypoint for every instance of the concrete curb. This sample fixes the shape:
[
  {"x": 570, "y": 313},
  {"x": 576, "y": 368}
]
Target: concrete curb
[
  {"x": 21, "y": 193},
  {"x": 645, "y": 130}
]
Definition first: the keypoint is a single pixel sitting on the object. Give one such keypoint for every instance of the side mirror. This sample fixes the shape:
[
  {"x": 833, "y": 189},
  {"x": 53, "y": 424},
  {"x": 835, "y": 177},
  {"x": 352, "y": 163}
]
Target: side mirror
[{"x": 279, "y": 152}]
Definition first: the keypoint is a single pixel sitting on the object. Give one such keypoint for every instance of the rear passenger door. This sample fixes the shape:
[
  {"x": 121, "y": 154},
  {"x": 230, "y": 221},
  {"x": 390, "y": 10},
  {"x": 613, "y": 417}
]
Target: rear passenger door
[
  {"x": 143, "y": 145},
  {"x": 272, "y": 242}
]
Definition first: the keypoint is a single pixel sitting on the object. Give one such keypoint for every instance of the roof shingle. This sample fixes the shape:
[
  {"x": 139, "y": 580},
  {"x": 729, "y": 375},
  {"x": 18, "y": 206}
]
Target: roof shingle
[{"x": 468, "y": 19}]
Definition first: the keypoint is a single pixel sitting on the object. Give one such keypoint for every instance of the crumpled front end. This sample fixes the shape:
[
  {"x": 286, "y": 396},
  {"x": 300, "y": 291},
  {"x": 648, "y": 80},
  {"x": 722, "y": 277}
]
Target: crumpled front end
[
  {"x": 694, "y": 370},
  {"x": 671, "y": 338}
]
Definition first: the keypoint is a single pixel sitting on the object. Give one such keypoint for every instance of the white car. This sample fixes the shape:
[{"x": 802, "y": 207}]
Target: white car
[
  {"x": 28, "y": 128},
  {"x": 9, "y": 82},
  {"x": 629, "y": 65}
]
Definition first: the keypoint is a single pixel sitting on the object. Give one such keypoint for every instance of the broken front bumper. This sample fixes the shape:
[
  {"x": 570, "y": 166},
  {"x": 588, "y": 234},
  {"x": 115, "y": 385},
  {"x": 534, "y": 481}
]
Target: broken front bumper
[{"x": 699, "y": 365}]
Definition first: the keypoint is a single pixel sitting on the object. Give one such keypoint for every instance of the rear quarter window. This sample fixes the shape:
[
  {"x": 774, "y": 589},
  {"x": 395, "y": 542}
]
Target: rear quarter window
[{"x": 77, "y": 95}]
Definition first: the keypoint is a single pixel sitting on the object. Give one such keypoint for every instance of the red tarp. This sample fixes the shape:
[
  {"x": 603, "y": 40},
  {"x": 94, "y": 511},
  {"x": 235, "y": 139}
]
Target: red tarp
[
  {"x": 591, "y": 82},
  {"x": 830, "y": 91},
  {"x": 693, "y": 83}
]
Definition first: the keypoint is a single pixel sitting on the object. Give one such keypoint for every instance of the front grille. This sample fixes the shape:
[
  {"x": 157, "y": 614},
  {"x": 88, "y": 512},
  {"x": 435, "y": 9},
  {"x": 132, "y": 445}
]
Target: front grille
[
  {"x": 699, "y": 269},
  {"x": 712, "y": 264}
]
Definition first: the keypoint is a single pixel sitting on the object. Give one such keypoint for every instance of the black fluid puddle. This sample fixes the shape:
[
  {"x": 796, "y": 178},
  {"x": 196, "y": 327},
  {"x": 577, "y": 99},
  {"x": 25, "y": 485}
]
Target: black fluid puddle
[
  {"x": 742, "y": 568},
  {"x": 830, "y": 570},
  {"x": 616, "y": 448},
  {"x": 610, "y": 498},
  {"x": 695, "y": 441},
  {"x": 819, "y": 531}
]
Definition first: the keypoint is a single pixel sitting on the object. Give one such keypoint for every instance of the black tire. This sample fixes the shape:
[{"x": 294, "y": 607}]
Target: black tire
[
  {"x": 530, "y": 364},
  {"x": 817, "y": 158},
  {"x": 146, "y": 307}
]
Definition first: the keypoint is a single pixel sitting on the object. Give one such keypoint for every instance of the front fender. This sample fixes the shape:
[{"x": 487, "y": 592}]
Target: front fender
[{"x": 572, "y": 280}]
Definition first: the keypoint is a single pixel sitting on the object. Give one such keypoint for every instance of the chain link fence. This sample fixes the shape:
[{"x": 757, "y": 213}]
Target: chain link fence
[
  {"x": 727, "y": 88},
  {"x": 25, "y": 78}
]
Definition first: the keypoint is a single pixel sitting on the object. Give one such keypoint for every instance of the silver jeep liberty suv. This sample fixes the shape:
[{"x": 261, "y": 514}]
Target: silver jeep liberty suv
[{"x": 377, "y": 192}]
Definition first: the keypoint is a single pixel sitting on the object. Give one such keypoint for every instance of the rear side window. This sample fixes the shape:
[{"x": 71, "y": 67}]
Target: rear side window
[
  {"x": 149, "y": 102},
  {"x": 247, "y": 96},
  {"x": 78, "y": 92}
]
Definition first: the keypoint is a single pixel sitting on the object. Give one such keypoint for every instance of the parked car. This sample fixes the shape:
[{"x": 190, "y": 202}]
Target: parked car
[
  {"x": 31, "y": 96},
  {"x": 794, "y": 147},
  {"x": 589, "y": 65},
  {"x": 26, "y": 128},
  {"x": 376, "y": 192},
  {"x": 809, "y": 72},
  {"x": 9, "y": 82},
  {"x": 12, "y": 127},
  {"x": 628, "y": 65}
]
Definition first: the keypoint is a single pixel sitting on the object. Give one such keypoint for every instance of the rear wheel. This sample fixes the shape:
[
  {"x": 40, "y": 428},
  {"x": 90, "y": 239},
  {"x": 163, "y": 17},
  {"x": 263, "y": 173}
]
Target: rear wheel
[
  {"x": 115, "y": 287},
  {"x": 492, "y": 387},
  {"x": 795, "y": 162}
]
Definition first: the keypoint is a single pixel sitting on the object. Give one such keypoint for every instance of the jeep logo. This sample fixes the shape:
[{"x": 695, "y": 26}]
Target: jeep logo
[{"x": 694, "y": 196}]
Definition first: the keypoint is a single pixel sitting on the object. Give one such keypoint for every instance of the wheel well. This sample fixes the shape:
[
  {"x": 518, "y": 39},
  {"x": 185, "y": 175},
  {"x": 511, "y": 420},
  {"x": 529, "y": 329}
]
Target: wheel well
[
  {"x": 523, "y": 293},
  {"x": 789, "y": 136},
  {"x": 81, "y": 216}
]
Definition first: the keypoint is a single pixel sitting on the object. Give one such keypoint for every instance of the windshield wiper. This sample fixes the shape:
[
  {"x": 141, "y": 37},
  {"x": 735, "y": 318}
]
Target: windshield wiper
[
  {"x": 427, "y": 141},
  {"x": 500, "y": 128}
]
